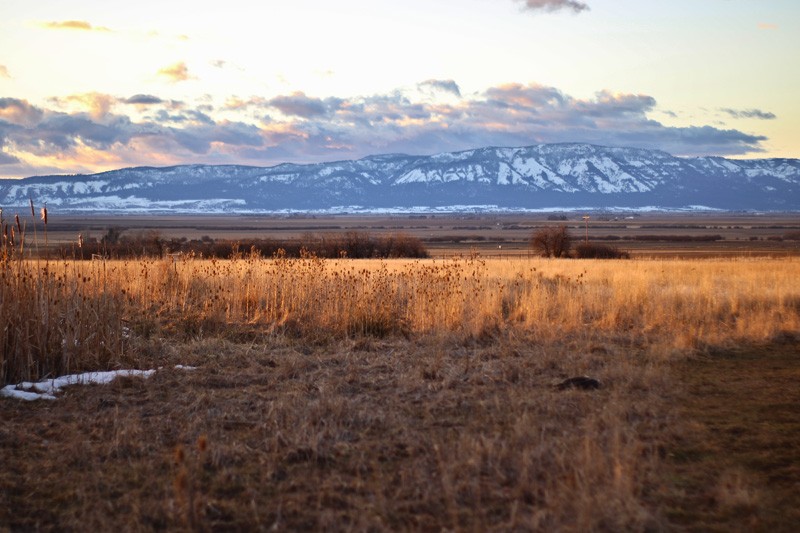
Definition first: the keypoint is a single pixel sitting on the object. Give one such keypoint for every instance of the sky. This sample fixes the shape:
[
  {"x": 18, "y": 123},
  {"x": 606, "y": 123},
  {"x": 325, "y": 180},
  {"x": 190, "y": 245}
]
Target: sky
[{"x": 90, "y": 85}]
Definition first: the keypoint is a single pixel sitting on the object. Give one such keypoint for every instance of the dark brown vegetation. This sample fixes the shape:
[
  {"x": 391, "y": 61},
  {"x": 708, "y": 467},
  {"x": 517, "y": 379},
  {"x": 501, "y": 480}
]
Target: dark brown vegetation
[
  {"x": 352, "y": 244},
  {"x": 552, "y": 242}
]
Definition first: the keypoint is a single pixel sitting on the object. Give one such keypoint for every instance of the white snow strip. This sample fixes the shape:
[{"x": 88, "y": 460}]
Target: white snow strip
[{"x": 47, "y": 389}]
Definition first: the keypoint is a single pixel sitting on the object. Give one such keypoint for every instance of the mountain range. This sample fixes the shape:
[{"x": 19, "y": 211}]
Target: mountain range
[{"x": 540, "y": 177}]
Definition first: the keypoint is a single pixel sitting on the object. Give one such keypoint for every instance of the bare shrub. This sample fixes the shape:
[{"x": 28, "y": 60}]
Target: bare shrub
[{"x": 552, "y": 242}]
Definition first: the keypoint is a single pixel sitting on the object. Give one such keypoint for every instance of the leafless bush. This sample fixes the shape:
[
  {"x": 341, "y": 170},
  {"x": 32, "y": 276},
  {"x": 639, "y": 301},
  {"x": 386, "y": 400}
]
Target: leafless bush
[{"x": 552, "y": 242}]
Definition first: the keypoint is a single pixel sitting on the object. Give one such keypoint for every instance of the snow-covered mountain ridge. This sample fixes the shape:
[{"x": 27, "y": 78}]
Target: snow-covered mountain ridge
[{"x": 532, "y": 177}]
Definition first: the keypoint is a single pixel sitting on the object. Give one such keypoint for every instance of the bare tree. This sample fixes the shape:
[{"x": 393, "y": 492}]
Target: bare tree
[{"x": 552, "y": 242}]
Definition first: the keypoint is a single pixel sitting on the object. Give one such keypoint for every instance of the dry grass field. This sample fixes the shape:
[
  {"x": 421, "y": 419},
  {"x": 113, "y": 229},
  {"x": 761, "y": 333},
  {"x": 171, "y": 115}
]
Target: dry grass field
[{"x": 402, "y": 395}]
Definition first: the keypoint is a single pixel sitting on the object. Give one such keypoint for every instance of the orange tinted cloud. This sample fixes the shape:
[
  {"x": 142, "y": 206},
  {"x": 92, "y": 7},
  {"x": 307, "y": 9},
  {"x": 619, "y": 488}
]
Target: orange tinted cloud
[
  {"x": 81, "y": 25},
  {"x": 4, "y": 72},
  {"x": 98, "y": 104},
  {"x": 767, "y": 26},
  {"x": 175, "y": 73},
  {"x": 19, "y": 112},
  {"x": 81, "y": 159}
]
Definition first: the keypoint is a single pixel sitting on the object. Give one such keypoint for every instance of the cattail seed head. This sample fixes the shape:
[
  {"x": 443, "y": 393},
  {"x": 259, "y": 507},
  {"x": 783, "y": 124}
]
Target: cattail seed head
[
  {"x": 33, "y": 211},
  {"x": 44, "y": 214}
]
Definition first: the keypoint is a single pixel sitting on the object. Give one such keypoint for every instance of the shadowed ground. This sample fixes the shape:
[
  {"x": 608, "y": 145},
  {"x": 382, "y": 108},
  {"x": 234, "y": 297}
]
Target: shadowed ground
[
  {"x": 737, "y": 464},
  {"x": 403, "y": 435}
]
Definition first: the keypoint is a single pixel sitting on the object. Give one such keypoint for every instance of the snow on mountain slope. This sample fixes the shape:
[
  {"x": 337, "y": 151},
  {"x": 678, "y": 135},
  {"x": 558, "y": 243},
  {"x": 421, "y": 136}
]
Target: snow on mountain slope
[{"x": 531, "y": 177}]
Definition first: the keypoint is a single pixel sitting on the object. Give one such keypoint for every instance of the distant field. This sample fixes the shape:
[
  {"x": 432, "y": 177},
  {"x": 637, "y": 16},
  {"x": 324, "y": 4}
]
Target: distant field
[{"x": 492, "y": 235}]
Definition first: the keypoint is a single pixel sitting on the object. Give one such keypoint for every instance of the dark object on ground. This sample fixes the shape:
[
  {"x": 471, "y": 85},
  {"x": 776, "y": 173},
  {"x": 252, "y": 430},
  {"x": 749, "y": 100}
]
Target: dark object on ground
[{"x": 580, "y": 382}]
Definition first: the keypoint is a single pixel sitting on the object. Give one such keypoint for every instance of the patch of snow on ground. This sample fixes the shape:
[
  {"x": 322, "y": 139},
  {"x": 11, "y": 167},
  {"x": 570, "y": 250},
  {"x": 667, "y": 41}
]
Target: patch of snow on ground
[{"x": 48, "y": 388}]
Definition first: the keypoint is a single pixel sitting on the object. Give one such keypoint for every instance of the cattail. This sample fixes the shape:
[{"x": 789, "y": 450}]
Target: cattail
[
  {"x": 80, "y": 240},
  {"x": 33, "y": 211},
  {"x": 19, "y": 227},
  {"x": 44, "y": 214}
]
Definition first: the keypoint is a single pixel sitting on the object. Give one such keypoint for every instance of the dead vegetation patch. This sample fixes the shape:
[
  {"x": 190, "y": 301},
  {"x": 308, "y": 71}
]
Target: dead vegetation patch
[{"x": 367, "y": 434}]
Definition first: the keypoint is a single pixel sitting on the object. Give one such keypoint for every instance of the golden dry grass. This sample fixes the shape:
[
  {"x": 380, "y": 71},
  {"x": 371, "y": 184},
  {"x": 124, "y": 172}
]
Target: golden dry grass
[
  {"x": 61, "y": 316},
  {"x": 366, "y": 395}
]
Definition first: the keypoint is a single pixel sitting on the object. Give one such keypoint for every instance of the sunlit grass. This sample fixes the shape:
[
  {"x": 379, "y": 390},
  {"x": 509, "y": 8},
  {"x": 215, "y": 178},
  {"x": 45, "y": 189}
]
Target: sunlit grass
[{"x": 60, "y": 316}]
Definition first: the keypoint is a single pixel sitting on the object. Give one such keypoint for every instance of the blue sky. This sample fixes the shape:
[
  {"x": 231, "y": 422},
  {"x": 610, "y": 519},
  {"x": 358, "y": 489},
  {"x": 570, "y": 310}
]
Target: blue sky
[{"x": 89, "y": 85}]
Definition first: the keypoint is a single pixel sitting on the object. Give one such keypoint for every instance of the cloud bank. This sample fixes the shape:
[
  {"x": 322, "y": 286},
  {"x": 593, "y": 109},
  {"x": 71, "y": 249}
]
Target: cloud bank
[{"x": 94, "y": 132}]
